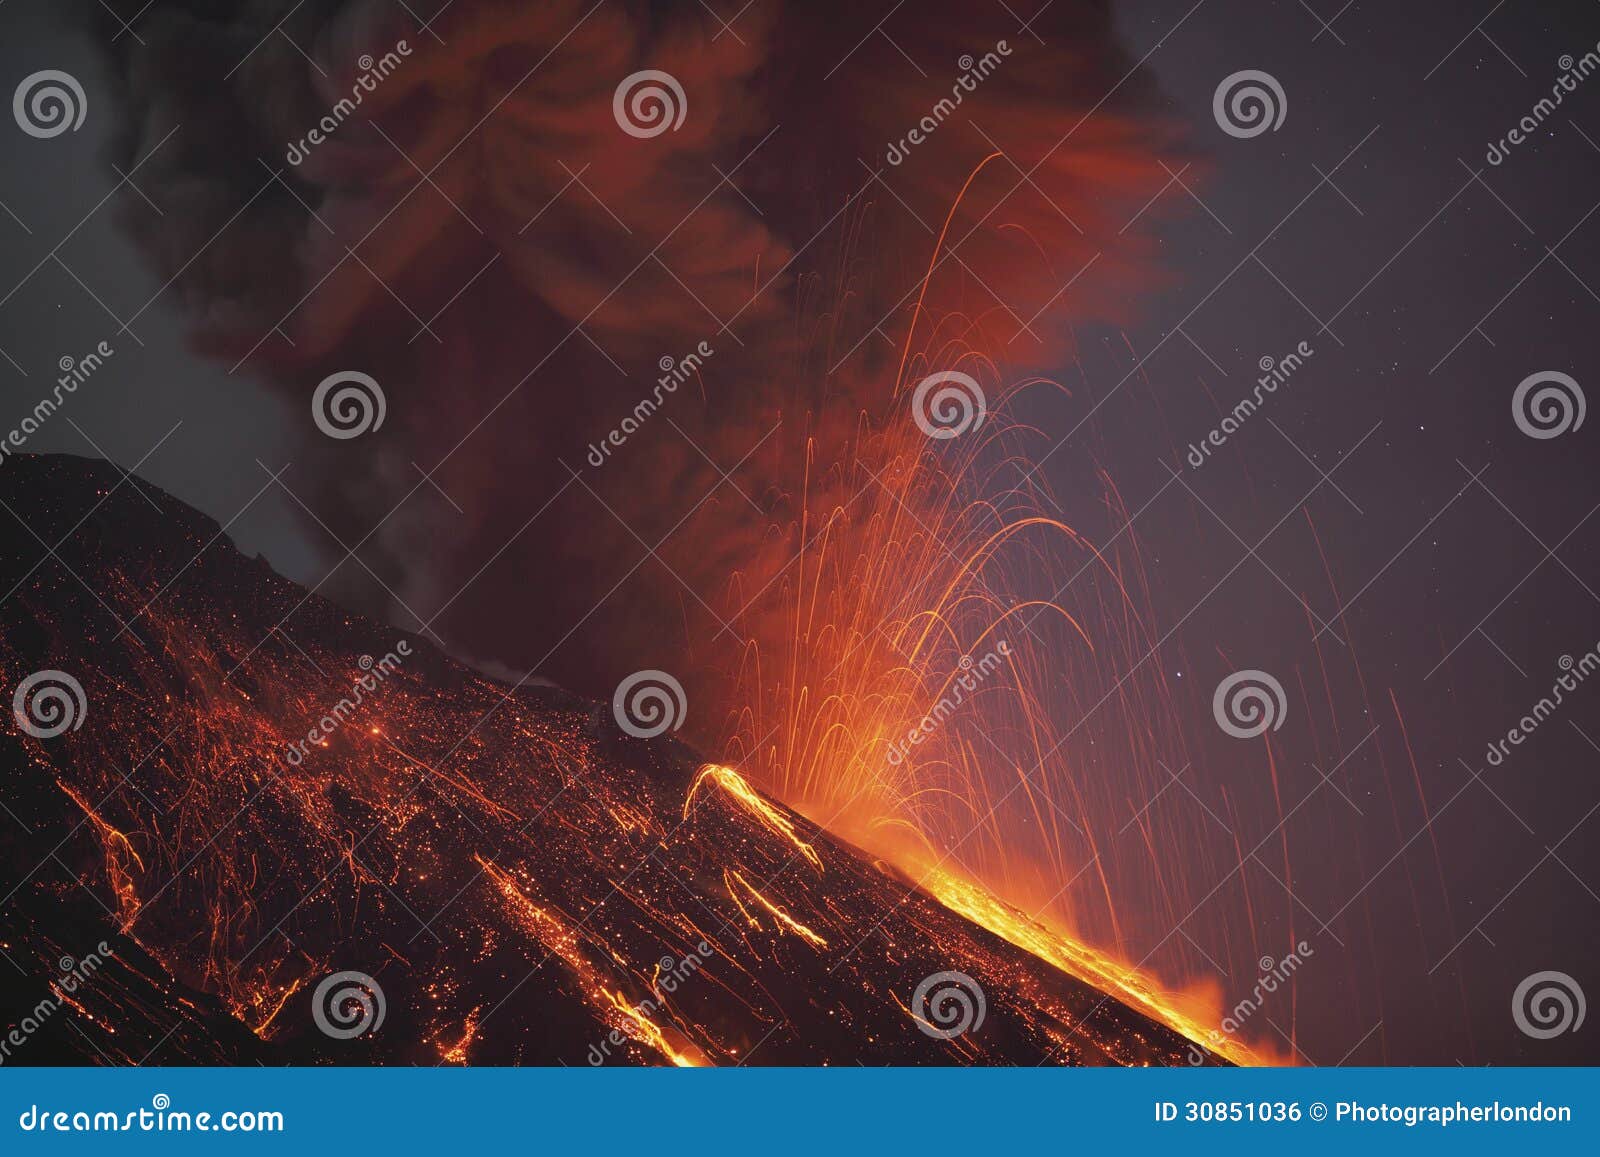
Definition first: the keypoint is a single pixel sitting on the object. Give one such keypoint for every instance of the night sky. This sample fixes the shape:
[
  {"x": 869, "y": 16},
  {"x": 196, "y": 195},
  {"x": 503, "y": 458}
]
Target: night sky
[{"x": 1381, "y": 535}]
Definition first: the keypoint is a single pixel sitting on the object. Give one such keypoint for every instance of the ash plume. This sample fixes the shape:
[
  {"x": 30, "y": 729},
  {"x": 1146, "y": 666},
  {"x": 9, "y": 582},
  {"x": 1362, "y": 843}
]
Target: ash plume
[{"x": 482, "y": 238}]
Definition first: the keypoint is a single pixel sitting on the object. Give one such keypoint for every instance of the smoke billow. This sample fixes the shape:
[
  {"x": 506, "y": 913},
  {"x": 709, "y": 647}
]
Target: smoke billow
[{"x": 518, "y": 272}]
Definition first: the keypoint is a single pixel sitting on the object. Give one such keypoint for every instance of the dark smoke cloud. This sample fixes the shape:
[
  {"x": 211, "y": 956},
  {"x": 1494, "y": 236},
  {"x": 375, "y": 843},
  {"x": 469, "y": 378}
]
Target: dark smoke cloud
[{"x": 588, "y": 256}]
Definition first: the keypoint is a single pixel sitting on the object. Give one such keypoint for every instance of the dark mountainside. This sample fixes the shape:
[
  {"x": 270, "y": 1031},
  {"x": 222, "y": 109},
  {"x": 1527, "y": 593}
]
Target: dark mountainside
[{"x": 526, "y": 883}]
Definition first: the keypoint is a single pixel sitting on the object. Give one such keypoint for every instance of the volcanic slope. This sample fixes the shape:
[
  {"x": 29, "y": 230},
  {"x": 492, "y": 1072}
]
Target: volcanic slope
[{"x": 261, "y": 791}]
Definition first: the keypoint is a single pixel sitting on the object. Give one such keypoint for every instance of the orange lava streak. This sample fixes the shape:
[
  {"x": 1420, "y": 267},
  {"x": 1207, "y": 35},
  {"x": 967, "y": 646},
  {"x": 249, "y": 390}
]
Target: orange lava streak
[
  {"x": 118, "y": 853},
  {"x": 613, "y": 1007},
  {"x": 933, "y": 262},
  {"x": 456, "y": 1054},
  {"x": 550, "y": 931},
  {"x": 753, "y": 802},
  {"x": 264, "y": 1029},
  {"x": 466, "y": 787},
  {"x": 731, "y": 877},
  {"x": 1132, "y": 987},
  {"x": 641, "y": 1028}
]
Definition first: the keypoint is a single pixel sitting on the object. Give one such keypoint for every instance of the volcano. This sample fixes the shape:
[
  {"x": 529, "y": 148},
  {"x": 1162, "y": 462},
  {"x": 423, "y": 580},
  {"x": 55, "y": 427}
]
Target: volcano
[{"x": 281, "y": 833}]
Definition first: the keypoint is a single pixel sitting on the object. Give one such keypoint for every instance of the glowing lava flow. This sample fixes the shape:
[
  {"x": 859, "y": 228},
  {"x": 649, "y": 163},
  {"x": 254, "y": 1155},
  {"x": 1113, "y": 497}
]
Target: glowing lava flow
[
  {"x": 1128, "y": 985},
  {"x": 739, "y": 789},
  {"x": 613, "y": 1007}
]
